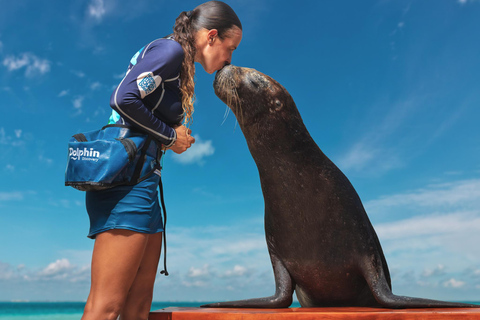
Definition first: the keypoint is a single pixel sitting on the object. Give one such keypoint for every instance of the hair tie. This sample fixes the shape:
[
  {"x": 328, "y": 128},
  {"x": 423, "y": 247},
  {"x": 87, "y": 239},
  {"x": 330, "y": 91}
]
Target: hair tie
[{"x": 189, "y": 14}]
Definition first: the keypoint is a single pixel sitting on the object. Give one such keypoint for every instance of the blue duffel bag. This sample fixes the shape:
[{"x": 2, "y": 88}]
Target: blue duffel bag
[{"x": 115, "y": 155}]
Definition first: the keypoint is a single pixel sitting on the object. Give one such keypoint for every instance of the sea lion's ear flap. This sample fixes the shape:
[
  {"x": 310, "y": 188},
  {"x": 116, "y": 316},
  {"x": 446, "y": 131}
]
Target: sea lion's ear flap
[
  {"x": 275, "y": 105},
  {"x": 278, "y": 105}
]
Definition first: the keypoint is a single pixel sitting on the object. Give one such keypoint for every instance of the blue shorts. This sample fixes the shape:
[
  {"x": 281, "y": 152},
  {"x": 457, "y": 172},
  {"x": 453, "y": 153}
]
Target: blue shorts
[{"x": 133, "y": 208}]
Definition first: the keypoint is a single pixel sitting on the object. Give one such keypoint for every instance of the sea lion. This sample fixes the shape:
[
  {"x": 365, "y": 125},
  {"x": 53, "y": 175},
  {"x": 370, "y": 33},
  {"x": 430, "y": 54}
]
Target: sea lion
[{"x": 321, "y": 242}]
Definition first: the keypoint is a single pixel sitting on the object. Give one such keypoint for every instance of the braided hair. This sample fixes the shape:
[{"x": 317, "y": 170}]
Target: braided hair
[{"x": 209, "y": 15}]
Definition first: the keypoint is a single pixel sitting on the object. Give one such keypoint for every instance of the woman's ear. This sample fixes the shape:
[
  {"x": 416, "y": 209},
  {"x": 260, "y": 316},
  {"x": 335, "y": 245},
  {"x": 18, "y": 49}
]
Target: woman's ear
[{"x": 212, "y": 35}]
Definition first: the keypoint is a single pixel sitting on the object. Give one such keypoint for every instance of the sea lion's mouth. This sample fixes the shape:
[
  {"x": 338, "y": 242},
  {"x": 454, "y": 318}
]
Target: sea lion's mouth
[
  {"x": 226, "y": 71},
  {"x": 225, "y": 86}
]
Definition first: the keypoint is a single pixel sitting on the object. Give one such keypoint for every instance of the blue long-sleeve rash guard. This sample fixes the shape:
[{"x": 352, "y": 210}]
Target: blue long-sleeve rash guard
[{"x": 149, "y": 97}]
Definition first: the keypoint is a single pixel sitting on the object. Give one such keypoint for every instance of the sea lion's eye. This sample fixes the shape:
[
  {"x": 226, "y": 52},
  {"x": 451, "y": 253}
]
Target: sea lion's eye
[{"x": 255, "y": 84}]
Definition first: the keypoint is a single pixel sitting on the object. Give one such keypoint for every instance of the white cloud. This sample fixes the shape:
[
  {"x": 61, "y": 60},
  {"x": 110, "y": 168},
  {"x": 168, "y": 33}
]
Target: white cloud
[
  {"x": 60, "y": 270},
  {"x": 452, "y": 283},
  {"x": 79, "y": 74},
  {"x": 96, "y": 85},
  {"x": 195, "y": 273},
  {"x": 16, "y": 195},
  {"x": 373, "y": 152},
  {"x": 196, "y": 153},
  {"x": 96, "y": 9},
  {"x": 119, "y": 76},
  {"x": 33, "y": 65},
  {"x": 14, "y": 63},
  {"x": 463, "y": 2},
  {"x": 367, "y": 154},
  {"x": 63, "y": 93},
  {"x": 237, "y": 271},
  {"x": 78, "y": 102},
  {"x": 4, "y": 139},
  {"x": 6, "y": 271},
  {"x": 57, "y": 268},
  {"x": 42, "y": 158},
  {"x": 358, "y": 156},
  {"x": 18, "y": 133},
  {"x": 462, "y": 224},
  {"x": 12, "y": 196},
  {"x": 463, "y": 194},
  {"x": 197, "y": 283},
  {"x": 439, "y": 270}
]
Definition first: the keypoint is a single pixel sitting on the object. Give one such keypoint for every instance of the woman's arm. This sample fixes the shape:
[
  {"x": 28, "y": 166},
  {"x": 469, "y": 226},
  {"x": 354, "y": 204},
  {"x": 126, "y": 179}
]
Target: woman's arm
[{"x": 156, "y": 63}]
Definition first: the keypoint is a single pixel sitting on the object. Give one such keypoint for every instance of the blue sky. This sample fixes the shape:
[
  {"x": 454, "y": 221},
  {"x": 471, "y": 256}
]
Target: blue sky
[{"x": 387, "y": 88}]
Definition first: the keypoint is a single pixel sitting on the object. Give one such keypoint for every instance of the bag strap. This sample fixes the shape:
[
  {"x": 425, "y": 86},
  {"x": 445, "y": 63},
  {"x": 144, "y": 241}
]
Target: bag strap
[
  {"x": 80, "y": 137},
  {"x": 118, "y": 126},
  {"x": 139, "y": 167}
]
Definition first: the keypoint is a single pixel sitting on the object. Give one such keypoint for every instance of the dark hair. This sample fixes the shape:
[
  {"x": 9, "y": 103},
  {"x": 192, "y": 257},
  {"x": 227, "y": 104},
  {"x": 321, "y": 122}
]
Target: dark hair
[{"x": 209, "y": 15}]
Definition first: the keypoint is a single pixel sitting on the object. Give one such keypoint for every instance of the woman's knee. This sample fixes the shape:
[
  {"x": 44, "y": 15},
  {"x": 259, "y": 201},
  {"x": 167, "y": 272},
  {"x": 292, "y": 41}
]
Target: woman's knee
[
  {"x": 137, "y": 307},
  {"x": 102, "y": 310}
]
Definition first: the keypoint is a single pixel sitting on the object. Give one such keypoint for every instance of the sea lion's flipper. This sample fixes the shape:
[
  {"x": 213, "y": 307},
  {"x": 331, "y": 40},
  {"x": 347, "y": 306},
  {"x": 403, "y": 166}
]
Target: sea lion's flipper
[
  {"x": 281, "y": 299},
  {"x": 382, "y": 293}
]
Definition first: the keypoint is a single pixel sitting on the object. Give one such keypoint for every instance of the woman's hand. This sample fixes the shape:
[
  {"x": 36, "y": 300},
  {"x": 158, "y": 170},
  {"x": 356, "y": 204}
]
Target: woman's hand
[{"x": 184, "y": 140}]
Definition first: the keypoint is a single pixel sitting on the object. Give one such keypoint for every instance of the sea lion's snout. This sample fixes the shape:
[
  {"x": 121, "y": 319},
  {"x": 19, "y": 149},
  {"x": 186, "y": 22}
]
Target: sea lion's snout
[
  {"x": 238, "y": 87},
  {"x": 223, "y": 73},
  {"x": 225, "y": 84}
]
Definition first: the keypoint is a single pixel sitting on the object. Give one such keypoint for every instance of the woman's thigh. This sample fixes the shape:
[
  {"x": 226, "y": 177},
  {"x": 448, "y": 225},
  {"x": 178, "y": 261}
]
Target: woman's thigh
[
  {"x": 117, "y": 256},
  {"x": 140, "y": 295}
]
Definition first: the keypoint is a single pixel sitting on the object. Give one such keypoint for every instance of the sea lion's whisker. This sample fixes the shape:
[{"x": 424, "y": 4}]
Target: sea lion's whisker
[
  {"x": 225, "y": 116},
  {"x": 232, "y": 99}
]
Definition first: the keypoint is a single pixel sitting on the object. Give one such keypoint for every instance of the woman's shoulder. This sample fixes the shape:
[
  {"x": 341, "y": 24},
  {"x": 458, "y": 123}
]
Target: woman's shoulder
[{"x": 168, "y": 47}]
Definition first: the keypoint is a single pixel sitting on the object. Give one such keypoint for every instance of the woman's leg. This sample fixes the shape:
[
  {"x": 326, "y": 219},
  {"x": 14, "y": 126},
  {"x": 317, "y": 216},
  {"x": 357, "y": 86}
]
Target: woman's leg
[
  {"x": 117, "y": 255},
  {"x": 139, "y": 299}
]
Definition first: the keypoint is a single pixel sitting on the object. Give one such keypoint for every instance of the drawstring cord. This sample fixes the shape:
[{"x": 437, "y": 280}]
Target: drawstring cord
[
  {"x": 160, "y": 155},
  {"x": 164, "y": 271}
]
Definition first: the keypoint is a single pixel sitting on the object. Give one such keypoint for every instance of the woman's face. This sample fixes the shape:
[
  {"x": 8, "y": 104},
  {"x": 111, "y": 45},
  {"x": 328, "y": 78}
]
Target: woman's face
[{"x": 214, "y": 53}]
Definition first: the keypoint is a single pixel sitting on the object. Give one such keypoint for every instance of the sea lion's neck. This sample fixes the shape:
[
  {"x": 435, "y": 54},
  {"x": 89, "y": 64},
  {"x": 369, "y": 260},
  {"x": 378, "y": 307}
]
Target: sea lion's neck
[{"x": 271, "y": 142}]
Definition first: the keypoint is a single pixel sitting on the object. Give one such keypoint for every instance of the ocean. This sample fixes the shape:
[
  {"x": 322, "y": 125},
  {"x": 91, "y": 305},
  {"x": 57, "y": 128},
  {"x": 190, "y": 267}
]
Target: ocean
[
  {"x": 62, "y": 310},
  {"x": 71, "y": 310}
]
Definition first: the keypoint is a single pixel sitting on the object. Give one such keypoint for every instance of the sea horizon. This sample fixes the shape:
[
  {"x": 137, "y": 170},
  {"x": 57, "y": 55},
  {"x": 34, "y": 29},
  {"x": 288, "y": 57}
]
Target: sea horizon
[{"x": 70, "y": 310}]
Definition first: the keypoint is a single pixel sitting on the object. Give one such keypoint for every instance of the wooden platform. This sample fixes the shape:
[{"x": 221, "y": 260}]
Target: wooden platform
[{"x": 313, "y": 313}]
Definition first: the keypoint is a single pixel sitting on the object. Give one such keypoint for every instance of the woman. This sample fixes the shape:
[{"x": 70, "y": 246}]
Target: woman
[{"x": 155, "y": 95}]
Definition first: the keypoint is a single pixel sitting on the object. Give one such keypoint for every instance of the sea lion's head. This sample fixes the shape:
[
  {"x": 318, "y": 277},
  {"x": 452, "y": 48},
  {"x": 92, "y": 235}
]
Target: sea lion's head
[
  {"x": 252, "y": 96},
  {"x": 264, "y": 109}
]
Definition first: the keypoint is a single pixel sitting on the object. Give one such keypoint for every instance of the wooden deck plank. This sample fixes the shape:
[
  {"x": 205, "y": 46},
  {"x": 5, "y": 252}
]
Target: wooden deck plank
[{"x": 314, "y": 313}]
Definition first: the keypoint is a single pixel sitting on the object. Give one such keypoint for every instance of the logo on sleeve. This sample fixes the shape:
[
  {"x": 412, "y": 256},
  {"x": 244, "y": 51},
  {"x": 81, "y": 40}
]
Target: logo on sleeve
[{"x": 147, "y": 83}]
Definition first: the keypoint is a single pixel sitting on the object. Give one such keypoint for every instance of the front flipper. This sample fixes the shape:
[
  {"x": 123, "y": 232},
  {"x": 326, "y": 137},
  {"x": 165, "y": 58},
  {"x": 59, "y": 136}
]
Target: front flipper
[{"x": 281, "y": 299}]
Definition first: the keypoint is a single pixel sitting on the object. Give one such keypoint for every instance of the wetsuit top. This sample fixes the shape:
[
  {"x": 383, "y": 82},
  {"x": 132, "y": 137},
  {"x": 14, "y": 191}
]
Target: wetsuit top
[{"x": 149, "y": 97}]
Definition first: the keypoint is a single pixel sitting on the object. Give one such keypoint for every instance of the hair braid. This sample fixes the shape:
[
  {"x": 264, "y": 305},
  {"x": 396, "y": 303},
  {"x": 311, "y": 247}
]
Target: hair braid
[
  {"x": 184, "y": 35},
  {"x": 209, "y": 15}
]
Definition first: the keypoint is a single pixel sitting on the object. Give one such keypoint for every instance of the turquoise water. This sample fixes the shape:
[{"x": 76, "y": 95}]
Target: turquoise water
[
  {"x": 61, "y": 310},
  {"x": 70, "y": 310}
]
